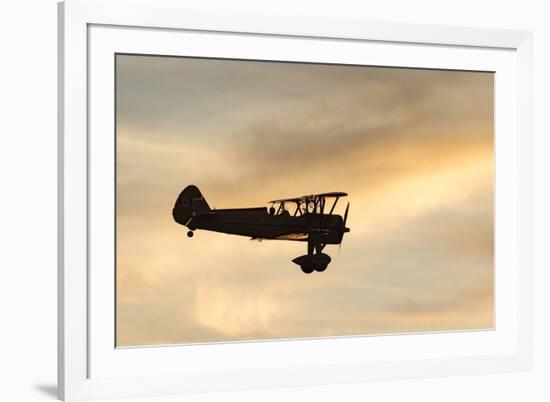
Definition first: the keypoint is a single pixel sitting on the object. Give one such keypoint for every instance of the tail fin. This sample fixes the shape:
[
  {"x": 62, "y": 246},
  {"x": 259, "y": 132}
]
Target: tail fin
[{"x": 190, "y": 202}]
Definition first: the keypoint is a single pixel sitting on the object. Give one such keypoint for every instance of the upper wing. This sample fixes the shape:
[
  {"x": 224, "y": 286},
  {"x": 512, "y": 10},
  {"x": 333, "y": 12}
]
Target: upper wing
[
  {"x": 295, "y": 199},
  {"x": 336, "y": 194}
]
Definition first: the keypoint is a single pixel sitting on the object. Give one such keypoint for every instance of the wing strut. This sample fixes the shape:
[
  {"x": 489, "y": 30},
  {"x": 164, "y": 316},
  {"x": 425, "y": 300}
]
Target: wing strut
[{"x": 333, "y": 205}]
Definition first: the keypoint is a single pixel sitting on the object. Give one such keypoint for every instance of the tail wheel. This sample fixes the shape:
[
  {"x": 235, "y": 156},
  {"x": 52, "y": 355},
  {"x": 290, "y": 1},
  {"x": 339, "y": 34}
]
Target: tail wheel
[{"x": 190, "y": 233}]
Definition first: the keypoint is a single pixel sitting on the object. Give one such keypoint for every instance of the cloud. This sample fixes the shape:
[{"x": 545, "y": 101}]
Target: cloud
[{"x": 414, "y": 148}]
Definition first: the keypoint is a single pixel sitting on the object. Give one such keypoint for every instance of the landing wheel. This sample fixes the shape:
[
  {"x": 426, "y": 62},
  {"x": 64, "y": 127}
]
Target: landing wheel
[
  {"x": 320, "y": 268},
  {"x": 190, "y": 233},
  {"x": 307, "y": 269}
]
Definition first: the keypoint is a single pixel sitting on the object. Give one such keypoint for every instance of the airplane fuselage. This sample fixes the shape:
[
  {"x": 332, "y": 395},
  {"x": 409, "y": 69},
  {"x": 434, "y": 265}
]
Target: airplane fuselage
[{"x": 257, "y": 223}]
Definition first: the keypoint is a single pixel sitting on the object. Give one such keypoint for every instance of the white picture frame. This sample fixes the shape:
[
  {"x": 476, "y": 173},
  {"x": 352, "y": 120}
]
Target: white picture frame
[{"x": 89, "y": 365}]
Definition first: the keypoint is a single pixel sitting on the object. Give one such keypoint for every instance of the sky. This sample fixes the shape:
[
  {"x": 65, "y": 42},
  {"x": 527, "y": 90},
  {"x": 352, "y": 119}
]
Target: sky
[{"x": 412, "y": 147}]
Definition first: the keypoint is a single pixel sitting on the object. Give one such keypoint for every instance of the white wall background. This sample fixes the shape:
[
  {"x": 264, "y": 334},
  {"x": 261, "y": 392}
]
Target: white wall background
[{"x": 28, "y": 199}]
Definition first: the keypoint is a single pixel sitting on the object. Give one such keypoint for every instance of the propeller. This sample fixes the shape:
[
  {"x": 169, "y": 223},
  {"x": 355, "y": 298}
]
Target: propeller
[
  {"x": 346, "y": 215},
  {"x": 345, "y": 228}
]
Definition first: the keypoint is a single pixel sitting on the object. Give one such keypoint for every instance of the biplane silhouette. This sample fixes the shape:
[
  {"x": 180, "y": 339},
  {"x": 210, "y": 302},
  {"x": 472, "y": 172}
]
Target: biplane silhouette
[{"x": 296, "y": 219}]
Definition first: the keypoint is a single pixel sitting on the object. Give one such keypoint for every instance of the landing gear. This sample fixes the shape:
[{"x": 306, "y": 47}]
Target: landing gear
[
  {"x": 312, "y": 262},
  {"x": 321, "y": 268},
  {"x": 190, "y": 233}
]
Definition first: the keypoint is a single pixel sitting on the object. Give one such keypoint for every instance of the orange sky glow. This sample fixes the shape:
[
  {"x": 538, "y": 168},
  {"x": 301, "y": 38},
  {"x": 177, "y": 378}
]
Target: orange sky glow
[{"x": 413, "y": 148}]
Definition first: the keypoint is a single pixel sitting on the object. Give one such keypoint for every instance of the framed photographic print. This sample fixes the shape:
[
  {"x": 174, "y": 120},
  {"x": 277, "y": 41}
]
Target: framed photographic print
[{"x": 253, "y": 201}]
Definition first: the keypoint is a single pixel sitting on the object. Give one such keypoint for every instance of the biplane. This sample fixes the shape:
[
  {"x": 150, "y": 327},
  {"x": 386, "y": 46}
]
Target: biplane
[{"x": 305, "y": 218}]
